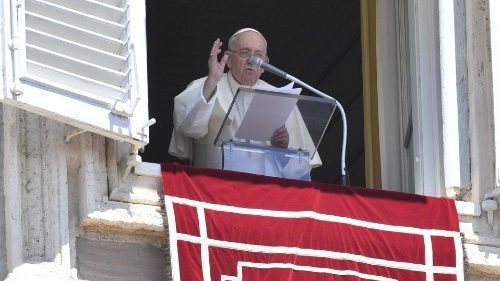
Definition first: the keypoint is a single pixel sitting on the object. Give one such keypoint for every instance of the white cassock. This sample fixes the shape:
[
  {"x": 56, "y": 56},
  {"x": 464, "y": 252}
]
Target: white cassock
[{"x": 197, "y": 122}]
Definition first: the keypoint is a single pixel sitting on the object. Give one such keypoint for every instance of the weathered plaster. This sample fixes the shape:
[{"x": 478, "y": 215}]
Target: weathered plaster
[
  {"x": 12, "y": 189},
  {"x": 3, "y": 257},
  {"x": 480, "y": 99},
  {"x": 462, "y": 90},
  {"x": 58, "y": 192}
]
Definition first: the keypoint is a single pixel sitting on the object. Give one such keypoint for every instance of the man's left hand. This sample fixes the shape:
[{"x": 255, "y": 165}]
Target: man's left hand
[{"x": 280, "y": 138}]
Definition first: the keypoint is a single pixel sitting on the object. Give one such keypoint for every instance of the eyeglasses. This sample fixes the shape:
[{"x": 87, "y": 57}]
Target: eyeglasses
[{"x": 246, "y": 54}]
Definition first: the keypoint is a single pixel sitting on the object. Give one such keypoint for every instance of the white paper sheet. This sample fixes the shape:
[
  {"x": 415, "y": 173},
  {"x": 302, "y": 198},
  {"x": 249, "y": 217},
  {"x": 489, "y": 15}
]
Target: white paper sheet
[{"x": 267, "y": 113}]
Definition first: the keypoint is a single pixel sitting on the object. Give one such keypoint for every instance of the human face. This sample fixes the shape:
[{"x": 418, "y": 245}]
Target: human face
[{"x": 241, "y": 69}]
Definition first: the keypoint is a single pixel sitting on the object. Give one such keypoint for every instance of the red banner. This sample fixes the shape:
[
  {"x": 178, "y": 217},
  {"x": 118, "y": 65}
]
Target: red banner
[{"x": 228, "y": 226}]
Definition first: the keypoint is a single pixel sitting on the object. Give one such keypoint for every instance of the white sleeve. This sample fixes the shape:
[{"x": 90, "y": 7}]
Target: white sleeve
[
  {"x": 192, "y": 112},
  {"x": 191, "y": 116}
]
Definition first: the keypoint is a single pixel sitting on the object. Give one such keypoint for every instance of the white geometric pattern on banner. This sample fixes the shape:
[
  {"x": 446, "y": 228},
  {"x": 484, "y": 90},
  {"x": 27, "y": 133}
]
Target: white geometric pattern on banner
[{"x": 206, "y": 242}]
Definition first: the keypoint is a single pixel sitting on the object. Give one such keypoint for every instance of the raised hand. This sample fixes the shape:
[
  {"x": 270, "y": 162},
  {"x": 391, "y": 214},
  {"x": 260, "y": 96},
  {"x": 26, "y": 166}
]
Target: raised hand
[{"x": 215, "y": 69}]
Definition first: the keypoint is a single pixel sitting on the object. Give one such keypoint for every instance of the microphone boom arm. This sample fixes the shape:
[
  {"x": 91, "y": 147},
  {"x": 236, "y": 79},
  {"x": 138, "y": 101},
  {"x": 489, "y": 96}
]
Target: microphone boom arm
[
  {"x": 344, "y": 180},
  {"x": 259, "y": 62}
]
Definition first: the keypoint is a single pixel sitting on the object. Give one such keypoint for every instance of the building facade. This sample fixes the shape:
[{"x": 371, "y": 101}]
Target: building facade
[{"x": 77, "y": 203}]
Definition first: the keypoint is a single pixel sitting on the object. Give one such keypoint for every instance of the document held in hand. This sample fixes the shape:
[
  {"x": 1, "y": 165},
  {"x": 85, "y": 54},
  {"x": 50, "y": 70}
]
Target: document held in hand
[{"x": 267, "y": 113}]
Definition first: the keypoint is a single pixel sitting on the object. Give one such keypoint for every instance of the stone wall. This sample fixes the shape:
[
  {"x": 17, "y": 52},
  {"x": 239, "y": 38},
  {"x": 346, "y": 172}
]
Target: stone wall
[
  {"x": 68, "y": 212},
  {"x": 120, "y": 261},
  {"x": 3, "y": 258},
  {"x": 56, "y": 219}
]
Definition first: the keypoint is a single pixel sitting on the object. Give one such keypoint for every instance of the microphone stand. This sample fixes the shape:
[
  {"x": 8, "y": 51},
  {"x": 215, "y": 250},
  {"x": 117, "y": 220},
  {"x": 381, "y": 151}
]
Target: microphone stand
[
  {"x": 344, "y": 179},
  {"x": 259, "y": 62}
]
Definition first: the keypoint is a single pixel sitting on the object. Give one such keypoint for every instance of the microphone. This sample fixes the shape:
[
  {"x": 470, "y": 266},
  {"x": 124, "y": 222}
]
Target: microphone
[{"x": 258, "y": 62}]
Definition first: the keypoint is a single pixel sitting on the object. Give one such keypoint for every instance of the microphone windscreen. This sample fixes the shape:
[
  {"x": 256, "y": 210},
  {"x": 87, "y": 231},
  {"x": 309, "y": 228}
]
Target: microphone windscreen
[{"x": 256, "y": 61}]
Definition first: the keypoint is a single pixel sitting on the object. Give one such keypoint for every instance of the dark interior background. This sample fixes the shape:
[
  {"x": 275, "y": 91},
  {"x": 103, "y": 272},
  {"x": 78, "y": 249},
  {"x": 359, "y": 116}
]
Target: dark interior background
[{"x": 316, "y": 41}]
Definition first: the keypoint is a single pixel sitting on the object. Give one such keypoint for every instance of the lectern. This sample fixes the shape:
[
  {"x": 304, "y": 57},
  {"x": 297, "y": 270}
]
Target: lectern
[{"x": 253, "y": 117}]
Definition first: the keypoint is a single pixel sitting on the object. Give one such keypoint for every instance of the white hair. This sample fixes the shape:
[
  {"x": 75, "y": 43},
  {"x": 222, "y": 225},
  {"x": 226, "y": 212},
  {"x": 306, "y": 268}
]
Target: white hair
[{"x": 230, "y": 43}]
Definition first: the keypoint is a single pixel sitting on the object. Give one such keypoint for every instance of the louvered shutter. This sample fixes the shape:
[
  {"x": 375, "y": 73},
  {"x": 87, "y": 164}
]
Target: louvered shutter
[{"x": 82, "y": 62}]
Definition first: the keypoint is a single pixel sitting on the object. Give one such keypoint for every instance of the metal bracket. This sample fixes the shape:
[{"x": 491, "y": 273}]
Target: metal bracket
[
  {"x": 15, "y": 90},
  {"x": 490, "y": 206},
  {"x": 457, "y": 192},
  {"x": 120, "y": 108},
  {"x": 151, "y": 122},
  {"x": 13, "y": 46},
  {"x": 133, "y": 160},
  {"x": 140, "y": 132},
  {"x": 73, "y": 133},
  {"x": 493, "y": 194},
  {"x": 300, "y": 153}
]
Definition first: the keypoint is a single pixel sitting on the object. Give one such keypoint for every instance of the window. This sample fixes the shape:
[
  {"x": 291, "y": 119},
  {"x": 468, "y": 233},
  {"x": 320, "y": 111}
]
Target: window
[{"x": 81, "y": 62}]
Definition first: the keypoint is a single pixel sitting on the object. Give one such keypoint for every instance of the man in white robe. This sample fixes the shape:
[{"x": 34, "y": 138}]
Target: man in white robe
[{"x": 200, "y": 109}]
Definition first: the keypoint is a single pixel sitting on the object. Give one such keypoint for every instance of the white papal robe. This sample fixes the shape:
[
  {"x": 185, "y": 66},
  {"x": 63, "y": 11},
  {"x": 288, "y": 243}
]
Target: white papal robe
[{"x": 197, "y": 122}]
